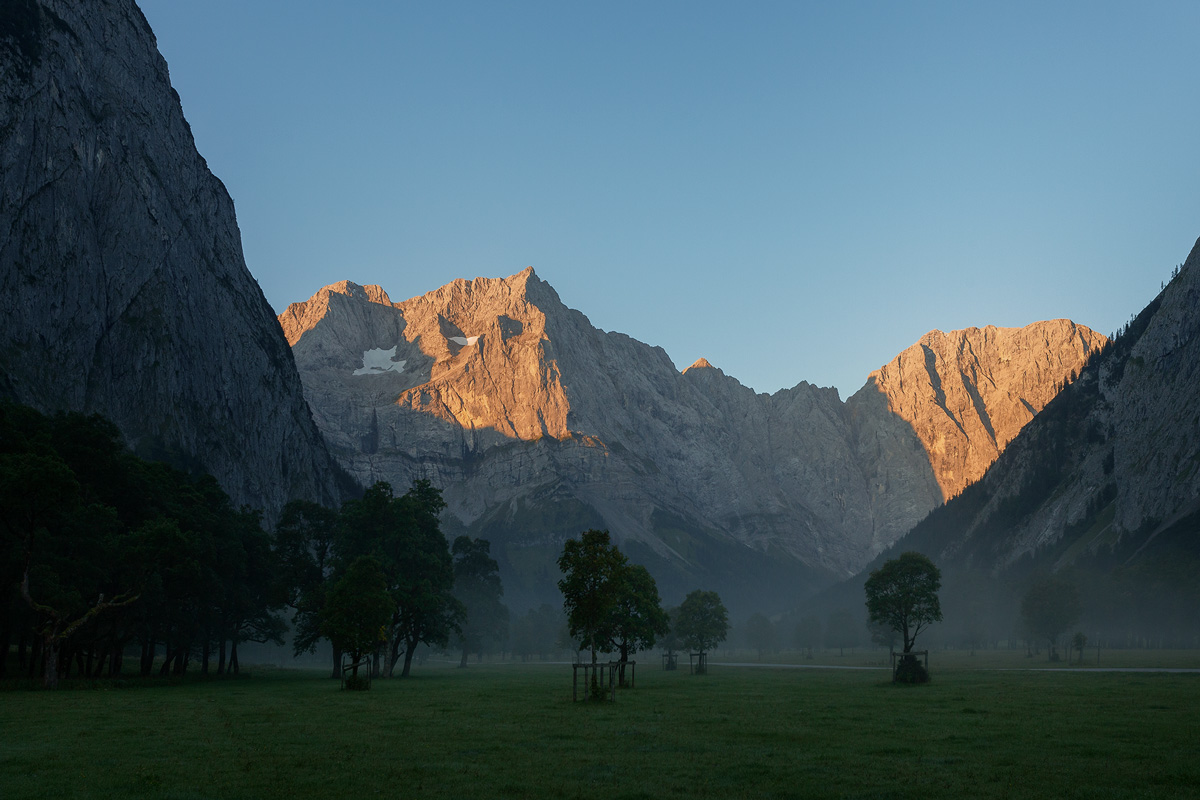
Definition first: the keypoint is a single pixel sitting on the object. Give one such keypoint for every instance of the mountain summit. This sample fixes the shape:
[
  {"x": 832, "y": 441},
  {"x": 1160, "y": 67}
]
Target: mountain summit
[{"x": 537, "y": 425}]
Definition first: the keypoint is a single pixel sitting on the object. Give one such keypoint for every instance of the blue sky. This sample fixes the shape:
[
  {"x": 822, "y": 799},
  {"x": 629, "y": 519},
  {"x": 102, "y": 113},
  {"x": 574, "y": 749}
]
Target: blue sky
[{"x": 795, "y": 191}]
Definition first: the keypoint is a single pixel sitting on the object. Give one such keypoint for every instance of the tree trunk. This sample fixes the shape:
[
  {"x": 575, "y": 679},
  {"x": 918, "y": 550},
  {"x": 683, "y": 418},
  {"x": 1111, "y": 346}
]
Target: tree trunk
[
  {"x": 165, "y": 669},
  {"x": 221, "y": 658},
  {"x": 462, "y": 664},
  {"x": 408, "y": 657},
  {"x": 22, "y": 652},
  {"x": 337, "y": 664},
  {"x": 97, "y": 669},
  {"x": 234, "y": 667},
  {"x": 50, "y": 655},
  {"x": 147, "y": 665},
  {"x": 391, "y": 656},
  {"x": 205, "y": 655},
  {"x": 34, "y": 655}
]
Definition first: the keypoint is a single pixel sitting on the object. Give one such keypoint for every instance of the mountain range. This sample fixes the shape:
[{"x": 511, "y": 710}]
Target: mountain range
[
  {"x": 537, "y": 425},
  {"x": 124, "y": 292}
]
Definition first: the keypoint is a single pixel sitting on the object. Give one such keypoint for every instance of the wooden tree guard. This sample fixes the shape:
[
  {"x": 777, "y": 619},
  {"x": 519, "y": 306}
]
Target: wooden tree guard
[
  {"x": 604, "y": 674},
  {"x": 632, "y": 670},
  {"x": 670, "y": 661},
  {"x": 896, "y": 656},
  {"x": 698, "y": 662},
  {"x": 348, "y": 665}
]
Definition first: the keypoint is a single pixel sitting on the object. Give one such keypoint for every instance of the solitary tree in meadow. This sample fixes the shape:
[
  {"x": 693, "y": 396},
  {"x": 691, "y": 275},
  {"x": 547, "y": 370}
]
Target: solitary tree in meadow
[
  {"x": 591, "y": 566},
  {"x": 903, "y": 594},
  {"x": 638, "y": 616},
  {"x": 703, "y": 621}
]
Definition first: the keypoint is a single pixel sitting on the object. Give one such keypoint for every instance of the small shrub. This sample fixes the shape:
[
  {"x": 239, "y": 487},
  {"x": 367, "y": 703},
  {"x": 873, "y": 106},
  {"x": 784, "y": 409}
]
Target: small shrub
[
  {"x": 358, "y": 683},
  {"x": 911, "y": 670}
]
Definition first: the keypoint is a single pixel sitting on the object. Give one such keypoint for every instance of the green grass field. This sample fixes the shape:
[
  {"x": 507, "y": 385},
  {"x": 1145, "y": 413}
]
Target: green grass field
[{"x": 511, "y": 730}]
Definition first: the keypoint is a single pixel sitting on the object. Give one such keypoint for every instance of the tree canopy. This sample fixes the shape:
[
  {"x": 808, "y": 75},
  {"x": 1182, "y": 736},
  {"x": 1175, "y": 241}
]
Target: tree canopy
[
  {"x": 357, "y": 610},
  {"x": 1050, "y": 607},
  {"x": 592, "y": 567},
  {"x": 477, "y": 587},
  {"x": 703, "y": 621},
  {"x": 101, "y": 550},
  {"x": 611, "y": 605},
  {"x": 903, "y": 595}
]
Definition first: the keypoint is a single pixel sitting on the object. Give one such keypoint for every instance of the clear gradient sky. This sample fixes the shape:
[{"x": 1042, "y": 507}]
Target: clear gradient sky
[{"x": 794, "y": 190}]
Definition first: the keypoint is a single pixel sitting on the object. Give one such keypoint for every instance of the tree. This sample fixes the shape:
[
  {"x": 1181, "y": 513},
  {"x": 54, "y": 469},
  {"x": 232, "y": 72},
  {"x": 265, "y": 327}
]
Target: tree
[
  {"x": 42, "y": 508},
  {"x": 423, "y": 585},
  {"x": 808, "y": 634},
  {"x": 477, "y": 586},
  {"x": 357, "y": 612},
  {"x": 671, "y": 640},
  {"x": 703, "y": 621},
  {"x": 305, "y": 541},
  {"x": 842, "y": 630},
  {"x": 1078, "y": 642},
  {"x": 903, "y": 594},
  {"x": 591, "y": 567},
  {"x": 760, "y": 634},
  {"x": 1049, "y": 607},
  {"x": 638, "y": 616},
  {"x": 404, "y": 535}
]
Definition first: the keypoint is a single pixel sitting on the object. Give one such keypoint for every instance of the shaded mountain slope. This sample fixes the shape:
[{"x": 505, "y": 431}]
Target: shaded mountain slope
[
  {"x": 1109, "y": 467},
  {"x": 123, "y": 289}
]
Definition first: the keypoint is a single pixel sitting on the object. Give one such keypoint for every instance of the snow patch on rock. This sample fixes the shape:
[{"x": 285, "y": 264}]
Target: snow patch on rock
[
  {"x": 465, "y": 341},
  {"x": 379, "y": 361}
]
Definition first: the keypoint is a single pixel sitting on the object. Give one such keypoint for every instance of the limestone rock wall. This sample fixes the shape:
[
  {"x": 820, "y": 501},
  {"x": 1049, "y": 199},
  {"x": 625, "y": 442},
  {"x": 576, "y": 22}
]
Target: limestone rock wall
[
  {"x": 123, "y": 289},
  {"x": 507, "y": 399}
]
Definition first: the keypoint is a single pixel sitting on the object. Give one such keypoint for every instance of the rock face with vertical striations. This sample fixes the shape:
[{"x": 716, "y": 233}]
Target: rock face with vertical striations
[
  {"x": 968, "y": 393},
  {"x": 123, "y": 289},
  {"x": 537, "y": 426}
]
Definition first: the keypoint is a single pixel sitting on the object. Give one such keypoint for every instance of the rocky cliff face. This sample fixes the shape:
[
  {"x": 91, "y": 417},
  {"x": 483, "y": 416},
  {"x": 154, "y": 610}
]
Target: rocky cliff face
[
  {"x": 1111, "y": 466},
  {"x": 968, "y": 393},
  {"x": 537, "y": 425},
  {"x": 123, "y": 290}
]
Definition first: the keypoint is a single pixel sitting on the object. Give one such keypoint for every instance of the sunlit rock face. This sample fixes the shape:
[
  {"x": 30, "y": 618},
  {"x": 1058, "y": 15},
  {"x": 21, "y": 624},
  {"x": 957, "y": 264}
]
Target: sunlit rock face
[
  {"x": 123, "y": 289},
  {"x": 968, "y": 393},
  {"x": 537, "y": 425}
]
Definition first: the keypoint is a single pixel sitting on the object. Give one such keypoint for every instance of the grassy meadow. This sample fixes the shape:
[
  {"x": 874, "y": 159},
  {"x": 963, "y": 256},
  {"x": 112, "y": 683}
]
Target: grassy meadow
[{"x": 511, "y": 730}]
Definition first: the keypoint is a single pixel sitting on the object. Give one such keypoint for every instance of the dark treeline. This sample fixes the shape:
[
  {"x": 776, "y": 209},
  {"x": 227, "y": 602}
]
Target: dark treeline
[
  {"x": 103, "y": 552},
  {"x": 106, "y": 557}
]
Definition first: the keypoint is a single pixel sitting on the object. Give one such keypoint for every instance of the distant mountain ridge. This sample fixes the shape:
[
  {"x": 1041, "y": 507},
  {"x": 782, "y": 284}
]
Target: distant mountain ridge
[
  {"x": 538, "y": 425},
  {"x": 123, "y": 289}
]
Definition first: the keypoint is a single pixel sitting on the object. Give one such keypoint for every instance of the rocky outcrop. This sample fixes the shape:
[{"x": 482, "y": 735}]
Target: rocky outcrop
[
  {"x": 537, "y": 425},
  {"x": 123, "y": 289},
  {"x": 968, "y": 393}
]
